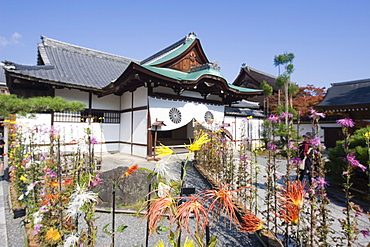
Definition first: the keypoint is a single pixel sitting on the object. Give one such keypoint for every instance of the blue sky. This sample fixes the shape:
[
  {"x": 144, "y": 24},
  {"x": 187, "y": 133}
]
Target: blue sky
[{"x": 329, "y": 38}]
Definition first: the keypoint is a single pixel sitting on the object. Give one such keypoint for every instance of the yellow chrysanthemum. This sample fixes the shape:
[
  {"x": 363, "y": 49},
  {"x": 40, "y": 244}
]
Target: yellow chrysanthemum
[
  {"x": 163, "y": 150},
  {"x": 196, "y": 145},
  {"x": 52, "y": 234},
  {"x": 367, "y": 135},
  {"x": 23, "y": 178}
]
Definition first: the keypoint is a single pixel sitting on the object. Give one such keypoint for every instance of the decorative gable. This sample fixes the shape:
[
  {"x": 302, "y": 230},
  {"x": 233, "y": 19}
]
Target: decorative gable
[{"x": 190, "y": 58}]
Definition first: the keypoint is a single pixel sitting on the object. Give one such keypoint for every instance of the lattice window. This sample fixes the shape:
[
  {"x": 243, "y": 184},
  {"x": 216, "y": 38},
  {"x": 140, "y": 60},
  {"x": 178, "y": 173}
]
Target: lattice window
[{"x": 99, "y": 116}]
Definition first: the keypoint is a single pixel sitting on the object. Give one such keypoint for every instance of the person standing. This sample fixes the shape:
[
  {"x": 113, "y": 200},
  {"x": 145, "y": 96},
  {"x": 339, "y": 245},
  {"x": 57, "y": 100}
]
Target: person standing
[{"x": 306, "y": 153}]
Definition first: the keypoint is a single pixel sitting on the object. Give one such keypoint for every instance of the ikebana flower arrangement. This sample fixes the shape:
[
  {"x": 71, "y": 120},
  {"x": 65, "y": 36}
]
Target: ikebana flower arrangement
[{"x": 54, "y": 190}]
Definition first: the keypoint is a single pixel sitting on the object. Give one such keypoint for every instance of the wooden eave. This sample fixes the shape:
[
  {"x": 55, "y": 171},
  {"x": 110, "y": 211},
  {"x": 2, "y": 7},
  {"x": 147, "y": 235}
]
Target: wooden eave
[{"x": 11, "y": 76}]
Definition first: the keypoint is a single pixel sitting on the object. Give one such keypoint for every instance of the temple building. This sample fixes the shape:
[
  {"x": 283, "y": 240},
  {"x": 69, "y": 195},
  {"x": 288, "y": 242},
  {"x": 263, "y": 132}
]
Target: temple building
[{"x": 132, "y": 104}]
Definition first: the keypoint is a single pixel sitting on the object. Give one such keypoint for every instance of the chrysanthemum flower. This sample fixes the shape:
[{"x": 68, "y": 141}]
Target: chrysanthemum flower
[
  {"x": 159, "y": 208},
  {"x": 346, "y": 122},
  {"x": 315, "y": 114},
  {"x": 163, "y": 150},
  {"x": 197, "y": 144},
  {"x": 130, "y": 170},
  {"x": 273, "y": 118},
  {"x": 71, "y": 241},
  {"x": 251, "y": 223},
  {"x": 355, "y": 163},
  {"x": 294, "y": 193},
  {"x": 288, "y": 212},
  {"x": 52, "y": 234},
  {"x": 80, "y": 196},
  {"x": 192, "y": 207},
  {"x": 222, "y": 197}
]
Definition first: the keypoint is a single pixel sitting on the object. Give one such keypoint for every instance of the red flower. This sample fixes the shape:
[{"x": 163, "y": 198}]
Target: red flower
[
  {"x": 250, "y": 223},
  {"x": 130, "y": 170}
]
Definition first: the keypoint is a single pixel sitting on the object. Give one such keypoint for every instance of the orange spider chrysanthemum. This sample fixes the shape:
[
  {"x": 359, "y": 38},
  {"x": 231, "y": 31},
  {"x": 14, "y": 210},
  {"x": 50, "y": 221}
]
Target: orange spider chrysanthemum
[
  {"x": 50, "y": 198},
  {"x": 52, "y": 234},
  {"x": 222, "y": 197},
  {"x": 159, "y": 208},
  {"x": 192, "y": 207},
  {"x": 251, "y": 223},
  {"x": 67, "y": 182},
  {"x": 289, "y": 213},
  {"x": 130, "y": 170},
  {"x": 294, "y": 193}
]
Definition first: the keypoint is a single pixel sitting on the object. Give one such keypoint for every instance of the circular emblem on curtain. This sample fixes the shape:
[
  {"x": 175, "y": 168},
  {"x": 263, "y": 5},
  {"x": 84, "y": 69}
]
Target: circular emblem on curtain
[
  {"x": 175, "y": 115},
  {"x": 208, "y": 116}
]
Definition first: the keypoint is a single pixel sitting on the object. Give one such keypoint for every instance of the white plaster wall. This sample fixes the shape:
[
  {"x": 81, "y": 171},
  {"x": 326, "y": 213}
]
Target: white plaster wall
[
  {"x": 71, "y": 132},
  {"x": 72, "y": 94},
  {"x": 139, "y": 151},
  {"x": 125, "y": 128},
  {"x": 126, "y": 99},
  {"x": 160, "y": 108},
  {"x": 140, "y": 97},
  {"x": 242, "y": 128},
  {"x": 125, "y": 148},
  {"x": 109, "y": 102},
  {"x": 140, "y": 127}
]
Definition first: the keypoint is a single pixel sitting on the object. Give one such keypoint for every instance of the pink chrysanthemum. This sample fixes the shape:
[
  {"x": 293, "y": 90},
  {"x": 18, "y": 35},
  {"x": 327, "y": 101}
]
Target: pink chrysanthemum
[{"x": 346, "y": 122}]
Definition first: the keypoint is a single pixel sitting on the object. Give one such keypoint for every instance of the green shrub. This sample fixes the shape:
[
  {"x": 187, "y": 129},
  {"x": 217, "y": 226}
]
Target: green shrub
[{"x": 337, "y": 155}]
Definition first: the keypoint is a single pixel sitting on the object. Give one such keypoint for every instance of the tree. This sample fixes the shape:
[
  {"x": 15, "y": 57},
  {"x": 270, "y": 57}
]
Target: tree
[
  {"x": 268, "y": 90},
  {"x": 303, "y": 101},
  {"x": 11, "y": 104},
  {"x": 283, "y": 79}
]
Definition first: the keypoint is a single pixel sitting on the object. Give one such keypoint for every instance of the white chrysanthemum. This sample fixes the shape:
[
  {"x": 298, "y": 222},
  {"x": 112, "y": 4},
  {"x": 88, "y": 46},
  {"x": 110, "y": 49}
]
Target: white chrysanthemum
[
  {"x": 30, "y": 188},
  {"x": 78, "y": 199},
  {"x": 162, "y": 189},
  {"x": 71, "y": 240},
  {"x": 161, "y": 169},
  {"x": 37, "y": 217}
]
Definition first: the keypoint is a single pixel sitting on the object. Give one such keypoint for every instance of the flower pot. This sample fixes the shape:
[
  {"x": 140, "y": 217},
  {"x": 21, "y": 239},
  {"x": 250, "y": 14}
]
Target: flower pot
[{"x": 18, "y": 213}]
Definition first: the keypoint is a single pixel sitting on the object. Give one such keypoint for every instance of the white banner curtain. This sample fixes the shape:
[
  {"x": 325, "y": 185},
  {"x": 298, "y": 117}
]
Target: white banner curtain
[{"x": 178, "y": 113}]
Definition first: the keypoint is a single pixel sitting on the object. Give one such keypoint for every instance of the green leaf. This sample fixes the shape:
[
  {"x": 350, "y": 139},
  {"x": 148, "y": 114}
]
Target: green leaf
[
  {"x": 120, "y": 205},
  {"x": 212, "y": 241},
  {"x": 121, "y": 228},
  {"x": 105, "y": 230},
  {"x": 162, "y": 229}
]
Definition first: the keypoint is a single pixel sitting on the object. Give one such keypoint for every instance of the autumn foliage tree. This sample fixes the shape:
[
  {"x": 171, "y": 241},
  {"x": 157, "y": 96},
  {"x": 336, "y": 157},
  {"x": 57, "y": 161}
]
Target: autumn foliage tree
[{"x": 304, "y": 99}]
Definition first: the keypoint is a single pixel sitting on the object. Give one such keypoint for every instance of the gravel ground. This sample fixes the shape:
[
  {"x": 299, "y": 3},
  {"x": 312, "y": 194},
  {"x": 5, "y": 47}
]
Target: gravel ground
[{"x": 14, "y": 227}]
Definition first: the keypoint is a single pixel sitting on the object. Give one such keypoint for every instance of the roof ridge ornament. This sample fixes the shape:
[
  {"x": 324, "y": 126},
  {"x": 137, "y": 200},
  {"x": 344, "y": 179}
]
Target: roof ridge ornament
[
  {"x": 190, "y": 36},
  {"x": 212, "y": 65}
]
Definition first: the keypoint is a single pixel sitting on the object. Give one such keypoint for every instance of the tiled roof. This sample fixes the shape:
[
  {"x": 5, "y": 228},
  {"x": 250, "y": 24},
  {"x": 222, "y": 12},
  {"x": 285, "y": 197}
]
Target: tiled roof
[
  {"x": 347, "y": 93},
  {"x": 2, "y": 75},
  {"x": 235, "y": 111},
  {"x": 74, "y": 65}
]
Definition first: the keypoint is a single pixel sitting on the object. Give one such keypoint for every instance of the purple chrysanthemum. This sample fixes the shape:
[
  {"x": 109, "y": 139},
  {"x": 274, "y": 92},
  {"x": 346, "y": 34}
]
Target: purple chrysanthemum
[
  {"x": 284, "y": 114},
  {"x": 315, "y": 114},
  {"x": 316, "y": 142},
  {"x": 346, "y": 122},
  {"x": 365, "y": 233},
  {"x": 320, "y": 182},
  {"x": 355, "y": 163},
  {"x": 273, "y": 118}
]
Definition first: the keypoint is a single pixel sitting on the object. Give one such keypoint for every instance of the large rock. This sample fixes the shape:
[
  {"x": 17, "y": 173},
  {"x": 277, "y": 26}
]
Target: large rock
[{"x": 129, "y": 190}]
